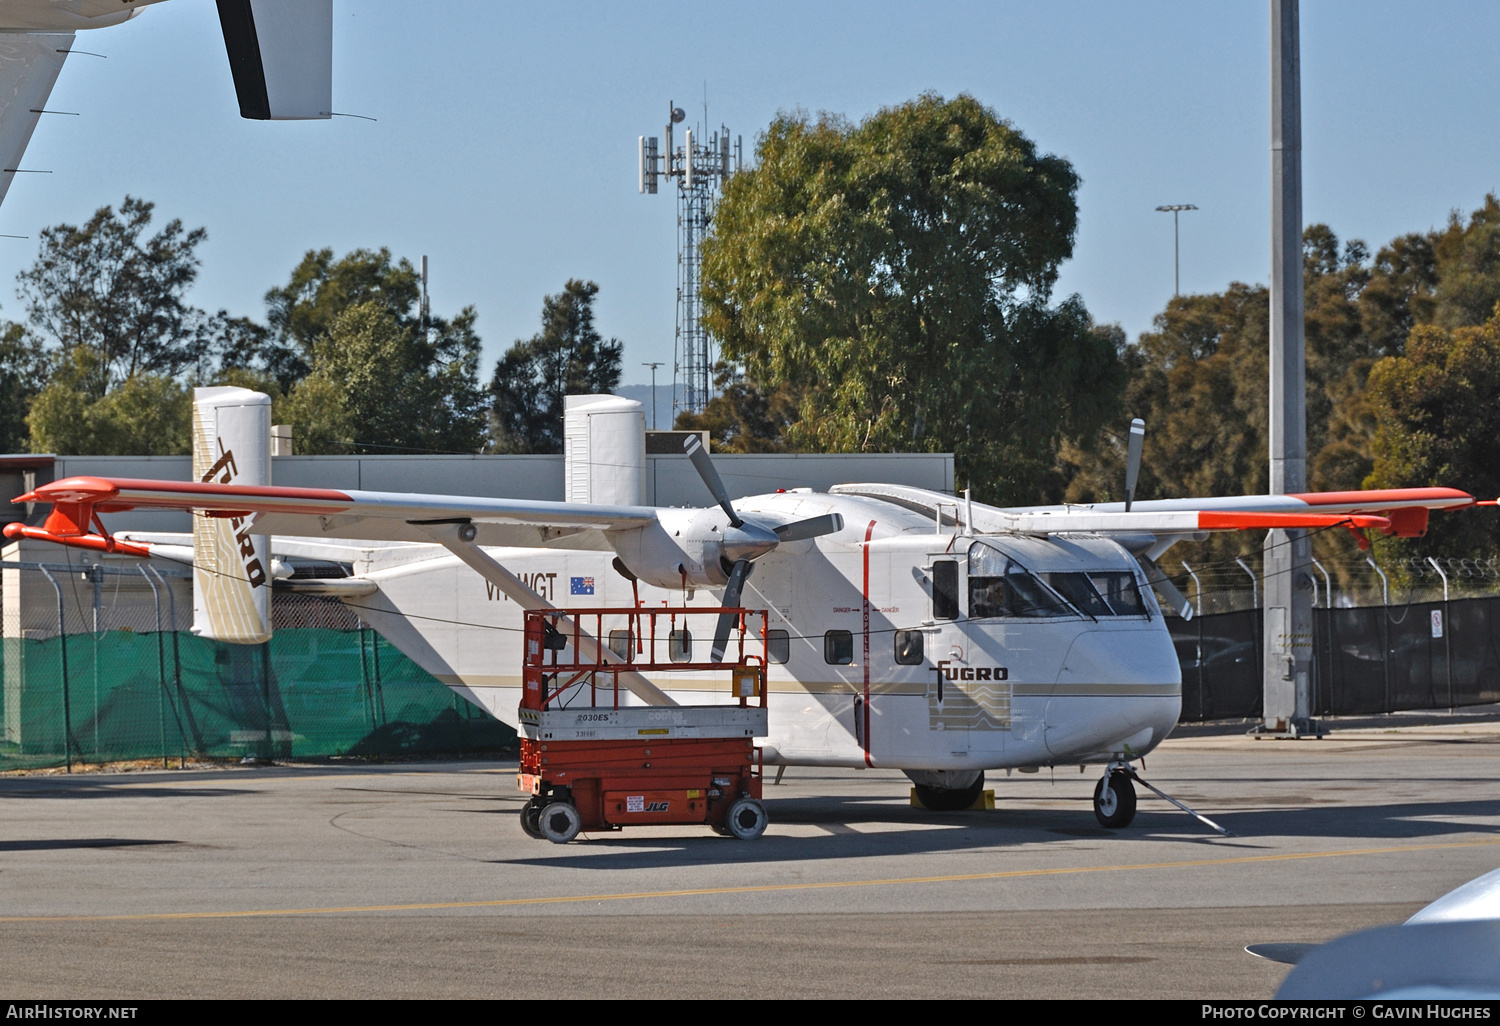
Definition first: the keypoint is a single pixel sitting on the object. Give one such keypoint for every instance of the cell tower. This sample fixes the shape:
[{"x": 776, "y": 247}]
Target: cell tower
[{"x": 700, "y": 166}]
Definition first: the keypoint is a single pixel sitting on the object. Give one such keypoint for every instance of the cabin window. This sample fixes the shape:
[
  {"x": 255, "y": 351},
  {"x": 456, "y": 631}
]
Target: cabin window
[
  {"x": 999, "y": 586},
  {"x": 909, "y": 648},
  {"x": 778, "y": 646},
  {"x": 680, "y": 646},
  {"x": 945, "y": 589},
  {"x": 620, "y": 643},
  {"x": 838, "y": 648}
]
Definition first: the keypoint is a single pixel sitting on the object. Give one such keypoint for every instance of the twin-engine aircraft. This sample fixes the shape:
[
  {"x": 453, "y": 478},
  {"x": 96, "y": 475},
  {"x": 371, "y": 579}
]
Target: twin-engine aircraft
[{"x": 907, "y": 628}]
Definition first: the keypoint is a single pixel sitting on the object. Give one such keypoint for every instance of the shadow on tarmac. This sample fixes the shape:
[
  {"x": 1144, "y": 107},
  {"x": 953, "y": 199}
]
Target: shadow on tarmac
[
  {"x": 79, "y": 842},
  {"x": 912, "y": 832}
]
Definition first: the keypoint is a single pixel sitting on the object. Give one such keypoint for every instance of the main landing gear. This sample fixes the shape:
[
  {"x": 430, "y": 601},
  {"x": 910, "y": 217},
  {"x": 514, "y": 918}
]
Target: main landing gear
[{"x": 1114, "y": 798}]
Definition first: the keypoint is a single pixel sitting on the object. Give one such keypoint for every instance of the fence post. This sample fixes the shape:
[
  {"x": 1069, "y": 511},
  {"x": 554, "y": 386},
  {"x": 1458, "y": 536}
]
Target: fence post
[
  {"x": 1447, "y": 630},
  {"x": 176, "y": 668},
  {"x": 1254, "y": 582},
  {"x": 161, "y": 669},
  {"x": 62, "y": 638},
  {"x": 1385, "y": 628}
]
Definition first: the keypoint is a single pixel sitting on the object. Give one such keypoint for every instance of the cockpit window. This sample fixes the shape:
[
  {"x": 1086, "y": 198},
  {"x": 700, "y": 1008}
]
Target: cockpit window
[
  {"x": 999, "y": 586},
  {"x": 1119, "y": 590},
  {"x": 1079, "y": 590}
]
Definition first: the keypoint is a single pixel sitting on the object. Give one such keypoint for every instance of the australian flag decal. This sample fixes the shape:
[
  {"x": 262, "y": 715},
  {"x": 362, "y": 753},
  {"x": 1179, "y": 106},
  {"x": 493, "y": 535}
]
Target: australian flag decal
[{"x": 583, "y": 585}]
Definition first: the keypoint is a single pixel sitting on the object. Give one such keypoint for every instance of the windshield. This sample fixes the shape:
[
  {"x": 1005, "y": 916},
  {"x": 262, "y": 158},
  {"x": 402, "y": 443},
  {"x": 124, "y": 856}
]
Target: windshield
[{"x": 1000, "y": 586}]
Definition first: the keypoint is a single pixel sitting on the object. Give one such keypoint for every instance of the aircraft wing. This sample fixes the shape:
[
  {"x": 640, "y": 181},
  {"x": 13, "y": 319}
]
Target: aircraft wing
[
  {"x": 281, "y": 56},
  {"x": 1398, "y": 511},
  {"x": 29, "y": 64},
  {"x": 327, "y": 513}
]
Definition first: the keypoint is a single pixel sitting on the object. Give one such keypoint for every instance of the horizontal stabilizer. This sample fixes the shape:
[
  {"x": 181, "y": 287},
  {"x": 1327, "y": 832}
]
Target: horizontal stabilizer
[{"x": 281, "y": 56}]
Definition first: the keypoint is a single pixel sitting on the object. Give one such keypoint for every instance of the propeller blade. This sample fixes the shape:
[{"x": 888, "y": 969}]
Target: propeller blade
[
  {"x": 705, "y": 467},
  {"x": 813, "y": 527},
  {"x": 732, "y": 591},
  {"x": 1133, "y": 459}
]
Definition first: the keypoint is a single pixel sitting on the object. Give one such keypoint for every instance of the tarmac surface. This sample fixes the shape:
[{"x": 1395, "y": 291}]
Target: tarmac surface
[{"x": 415, "y": 880}]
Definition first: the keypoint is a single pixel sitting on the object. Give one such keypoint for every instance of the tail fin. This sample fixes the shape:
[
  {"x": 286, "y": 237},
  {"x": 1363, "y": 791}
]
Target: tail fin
[{"x": 231, "y": 567}]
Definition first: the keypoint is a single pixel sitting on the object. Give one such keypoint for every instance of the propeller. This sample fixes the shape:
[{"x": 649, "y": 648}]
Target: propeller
[
  {"x": 1133, "y": 459},
  {"x": 1158, "y": 577},
  {"x": 745, "y": 541},
  {"x": 705, "y": 467}
]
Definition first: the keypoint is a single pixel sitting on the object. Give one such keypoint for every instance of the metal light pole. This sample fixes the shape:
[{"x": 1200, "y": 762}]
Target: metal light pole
[
  {"x": 1175, "y": 209},
  {"x": 653, "y": 367},
  {"x": 1287, "y": 681}
]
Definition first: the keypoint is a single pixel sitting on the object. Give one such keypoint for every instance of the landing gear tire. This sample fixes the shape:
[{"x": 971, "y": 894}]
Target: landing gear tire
[
  {"x": 1114, "y": 801},
  {"x": 746, "y": 819},
  {"x": 531, "y": 818},
  {"x": 949, "y": 799},
  {"x": 559, "y": 822}
]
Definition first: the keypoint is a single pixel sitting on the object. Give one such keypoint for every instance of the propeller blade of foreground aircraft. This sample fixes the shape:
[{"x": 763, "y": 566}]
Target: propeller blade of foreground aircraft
[
  {"x": 732, "y": 591},
  {"x": 813, "y": 527},
  {"x": 1133, "y": 459},
  {"x": 705, "y": 467}
]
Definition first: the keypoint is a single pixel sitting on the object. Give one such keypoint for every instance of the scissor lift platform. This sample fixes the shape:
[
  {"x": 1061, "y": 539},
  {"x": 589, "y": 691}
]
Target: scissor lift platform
[{"x": 591, "y": 764}]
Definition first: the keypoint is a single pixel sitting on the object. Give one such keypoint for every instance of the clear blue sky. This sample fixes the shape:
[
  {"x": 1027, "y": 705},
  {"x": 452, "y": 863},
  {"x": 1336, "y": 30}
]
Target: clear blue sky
[{"x": 505, "y": 145}]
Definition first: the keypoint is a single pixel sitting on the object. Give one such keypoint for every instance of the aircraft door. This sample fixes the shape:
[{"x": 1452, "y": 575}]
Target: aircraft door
[{"x": 948, "y": 711}]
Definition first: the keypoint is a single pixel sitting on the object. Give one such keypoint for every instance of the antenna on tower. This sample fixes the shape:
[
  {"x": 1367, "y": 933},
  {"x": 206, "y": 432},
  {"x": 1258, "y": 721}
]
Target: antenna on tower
[
  {"x": 423, "y": 309},
  {"x": 700, "y": 167}
]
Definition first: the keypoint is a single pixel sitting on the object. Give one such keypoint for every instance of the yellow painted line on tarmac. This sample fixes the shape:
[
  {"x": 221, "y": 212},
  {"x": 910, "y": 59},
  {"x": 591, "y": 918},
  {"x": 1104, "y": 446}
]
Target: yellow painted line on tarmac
[{"x": 752, "y": 889}]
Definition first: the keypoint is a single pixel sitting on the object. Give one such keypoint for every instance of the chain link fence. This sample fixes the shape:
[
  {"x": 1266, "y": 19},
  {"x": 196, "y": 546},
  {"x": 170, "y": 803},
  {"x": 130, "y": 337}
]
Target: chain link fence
[{"x": 108, "y": 671}]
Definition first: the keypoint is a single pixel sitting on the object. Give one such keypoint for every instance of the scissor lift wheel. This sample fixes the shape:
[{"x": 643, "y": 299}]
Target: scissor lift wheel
[
  {"x": 746, "y": 819},
  {"x": 559, "y": 822}
]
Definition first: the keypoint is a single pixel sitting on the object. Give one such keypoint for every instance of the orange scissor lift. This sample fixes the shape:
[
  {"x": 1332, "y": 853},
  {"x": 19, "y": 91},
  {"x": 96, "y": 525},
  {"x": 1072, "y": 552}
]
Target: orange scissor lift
[{"x": 590, "y": 763}]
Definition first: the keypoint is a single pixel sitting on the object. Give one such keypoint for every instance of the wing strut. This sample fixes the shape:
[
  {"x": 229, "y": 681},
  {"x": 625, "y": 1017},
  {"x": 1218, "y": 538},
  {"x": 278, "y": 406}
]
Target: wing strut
[{"x": 458, "y": 538}]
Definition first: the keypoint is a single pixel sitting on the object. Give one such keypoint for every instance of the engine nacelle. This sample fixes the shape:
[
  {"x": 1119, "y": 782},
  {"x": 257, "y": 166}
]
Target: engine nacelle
[{"x": 697, "y": 546}]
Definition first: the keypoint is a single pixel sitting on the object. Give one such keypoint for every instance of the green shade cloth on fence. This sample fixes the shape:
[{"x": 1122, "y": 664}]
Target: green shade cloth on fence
[{"x": 307, "y": 693}]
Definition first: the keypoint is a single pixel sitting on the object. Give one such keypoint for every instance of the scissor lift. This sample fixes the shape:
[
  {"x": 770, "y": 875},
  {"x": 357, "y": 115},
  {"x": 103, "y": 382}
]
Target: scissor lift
[{"x": 591, "y": 764}]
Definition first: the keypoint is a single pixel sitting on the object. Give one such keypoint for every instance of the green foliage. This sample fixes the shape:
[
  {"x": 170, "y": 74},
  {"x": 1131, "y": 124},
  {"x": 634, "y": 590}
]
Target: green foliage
[
  {"x": 381, "y": 384},
  {"x": 1468, "y": 263},
  {"x": 144, "y": 415},
  {"x": 567, "y": 357},
  {"x": 319, "y": 291},
  {"x": 105, "y": 288},
  {"x": 1438, "y": 407},
  {"x": 22, "y": 372},
  {"x": 742, "y": 418},
  {"x": 896, "y": 275}
]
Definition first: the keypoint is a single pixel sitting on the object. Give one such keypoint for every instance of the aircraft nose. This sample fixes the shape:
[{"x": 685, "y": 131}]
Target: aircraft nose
[{"x": 748, "y": 541}]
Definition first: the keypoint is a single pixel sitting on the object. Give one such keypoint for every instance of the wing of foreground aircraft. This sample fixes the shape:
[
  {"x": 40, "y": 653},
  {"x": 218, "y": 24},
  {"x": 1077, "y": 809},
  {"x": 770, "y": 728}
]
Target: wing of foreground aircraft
[{"x": 280, "y": 53}]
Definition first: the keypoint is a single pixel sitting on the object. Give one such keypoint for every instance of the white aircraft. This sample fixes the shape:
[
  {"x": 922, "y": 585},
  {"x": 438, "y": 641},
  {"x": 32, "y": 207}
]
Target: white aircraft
[
  {"x": 280, "y": 53},
  {"x": 907, "y": 629}
]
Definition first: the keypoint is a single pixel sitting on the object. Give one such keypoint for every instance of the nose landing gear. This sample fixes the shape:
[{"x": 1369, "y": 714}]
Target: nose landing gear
[{"x": 1114, "y": 798}]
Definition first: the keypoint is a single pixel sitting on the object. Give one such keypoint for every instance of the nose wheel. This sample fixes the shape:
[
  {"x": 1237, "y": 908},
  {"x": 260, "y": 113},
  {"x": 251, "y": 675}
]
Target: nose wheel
[{"x": 1114, "y": 800}]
